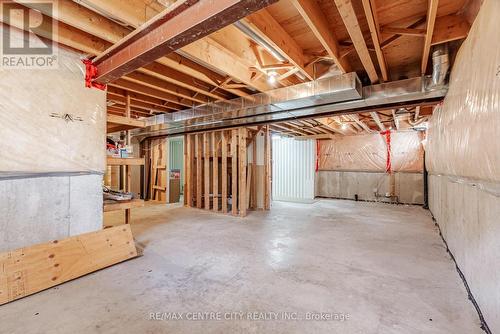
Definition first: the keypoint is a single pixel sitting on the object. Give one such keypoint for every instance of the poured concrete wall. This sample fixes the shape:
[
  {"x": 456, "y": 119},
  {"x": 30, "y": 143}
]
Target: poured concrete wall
[
  {"x": 463, "y": 159},
  {"x": 40, "y": 209},
  {"x": 347, "y": 184}
]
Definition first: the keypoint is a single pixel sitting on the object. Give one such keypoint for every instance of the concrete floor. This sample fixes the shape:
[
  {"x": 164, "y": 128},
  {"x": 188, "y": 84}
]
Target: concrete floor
[{"x": 382, "y": 266}]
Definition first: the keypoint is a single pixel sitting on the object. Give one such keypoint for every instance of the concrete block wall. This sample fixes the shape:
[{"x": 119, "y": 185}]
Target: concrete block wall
[
  {"x": 347, "y": 184},
  {"x": 39, "y": 209}
]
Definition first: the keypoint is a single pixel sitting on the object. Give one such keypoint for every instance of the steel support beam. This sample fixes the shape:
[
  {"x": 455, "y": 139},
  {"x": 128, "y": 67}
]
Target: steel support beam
[{"x": 177, "y": 26}]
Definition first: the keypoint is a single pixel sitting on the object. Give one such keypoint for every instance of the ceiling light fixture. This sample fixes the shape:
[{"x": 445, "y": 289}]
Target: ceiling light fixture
[{"x": 271, "y": 77}]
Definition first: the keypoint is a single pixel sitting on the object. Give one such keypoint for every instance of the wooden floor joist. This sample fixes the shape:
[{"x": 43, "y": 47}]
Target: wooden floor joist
[{"x": 29, "y": 270}]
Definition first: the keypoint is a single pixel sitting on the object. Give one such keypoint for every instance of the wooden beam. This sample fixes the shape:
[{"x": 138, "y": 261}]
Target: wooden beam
[
  {"x": 431, "y": 19},
  {"x": 234, "y": 172},
  {"x": 242, "y": 170},
  {"x": 372, "y": 19},
  {"x": 224, "y": 171},
  {"x": 350, "y": 20},
  {"x": 177, "y": 26},
  {"x": 206, "y": 171},
  {"x": 198, "y": 148},
  {"x": 317, "y": 22},
  {"x": 215, "y": 171},
  {"x": 404, "y": 31},
  {"x": 264, "y": 25},
  {"x": 28, "y": 270}
]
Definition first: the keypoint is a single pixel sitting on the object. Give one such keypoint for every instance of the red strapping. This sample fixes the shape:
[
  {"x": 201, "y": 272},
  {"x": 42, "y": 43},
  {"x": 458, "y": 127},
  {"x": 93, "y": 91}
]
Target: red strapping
[
  {"x": 91, "y": 74},
  {"x": 388, "y": 164}
]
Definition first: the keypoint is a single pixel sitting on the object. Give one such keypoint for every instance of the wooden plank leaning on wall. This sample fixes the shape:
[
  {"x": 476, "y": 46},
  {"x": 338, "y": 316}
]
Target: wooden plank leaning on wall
[{"x": 227, "y": 169}]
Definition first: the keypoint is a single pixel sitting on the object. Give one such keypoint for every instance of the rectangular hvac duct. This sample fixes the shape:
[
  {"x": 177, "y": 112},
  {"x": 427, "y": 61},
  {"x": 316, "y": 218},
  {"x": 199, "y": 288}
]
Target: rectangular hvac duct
[{"x": 335, "y": 95}]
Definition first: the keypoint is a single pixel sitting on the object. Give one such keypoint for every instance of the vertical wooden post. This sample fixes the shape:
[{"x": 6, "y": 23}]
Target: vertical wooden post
[
  {"x": 206, "y": 149},
  {"x": 224, "y": 171},
  {"x": 188, "y": 160},
  {"x": 253, "y": 202},
  {"x": 242, "y": 169},
  {"x": 198, "y": 170},
  {"x": 267, "y": 169},
  {"x": 126, "y": 169},
  {"x": 215, "y": 171},
  {"x": 234, "y": 172}
]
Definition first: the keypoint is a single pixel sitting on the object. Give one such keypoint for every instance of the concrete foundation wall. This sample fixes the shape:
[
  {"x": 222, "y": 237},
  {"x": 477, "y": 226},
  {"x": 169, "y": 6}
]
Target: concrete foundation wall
[
  {"x": 342, "y": 184},
  {"x": 40, "y": 209},
  {"x": 469, "y": 220}
]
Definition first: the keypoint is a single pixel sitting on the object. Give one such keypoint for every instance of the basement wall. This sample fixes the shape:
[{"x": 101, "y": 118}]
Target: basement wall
[
  {"x": 350, "y": 166},
  {"x": 52, "y": 156},
  {"x": 463, "y": 159}
]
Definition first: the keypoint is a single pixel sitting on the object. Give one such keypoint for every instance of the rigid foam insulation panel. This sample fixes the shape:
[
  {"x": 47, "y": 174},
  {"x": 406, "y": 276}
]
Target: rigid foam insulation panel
[
  {"x": 50, "y": 167},
  {"x": 463, "y": 158},
  {"x": 35, "y": 135}
]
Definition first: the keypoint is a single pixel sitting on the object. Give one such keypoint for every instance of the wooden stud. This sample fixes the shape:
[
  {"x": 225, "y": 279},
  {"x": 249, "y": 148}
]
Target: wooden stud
[
  {"x": 206, "y": 170},
  {"x": 224, "y": 171},
  {"x": 267, "y": 169},
  {"x": 215, "y": 172},
  {"x": 242, "y": 170},
  {"x": 198, "y": 145},
  {"x": 187, "y": 170},
  {"x": 234, "y": 172},
  {"x": 253, "y": 196}
]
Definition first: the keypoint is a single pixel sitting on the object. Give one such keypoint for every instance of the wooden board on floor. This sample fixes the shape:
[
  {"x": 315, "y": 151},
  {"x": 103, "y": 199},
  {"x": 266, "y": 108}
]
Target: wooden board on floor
[{"x": 28, "y": 270}]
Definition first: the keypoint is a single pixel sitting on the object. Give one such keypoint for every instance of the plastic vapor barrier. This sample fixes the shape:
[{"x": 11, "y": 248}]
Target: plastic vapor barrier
[
  {"x": 49, "y": 122},
  {"x": 369, "y": 153},
  {"x": 464, "y": 132}
]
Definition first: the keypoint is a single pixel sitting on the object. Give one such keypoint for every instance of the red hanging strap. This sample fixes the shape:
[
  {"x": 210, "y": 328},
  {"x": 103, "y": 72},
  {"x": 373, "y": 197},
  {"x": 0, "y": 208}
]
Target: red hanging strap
[
  {"x": 388, "y": 164},
  {"x": 91, "y": 74}
]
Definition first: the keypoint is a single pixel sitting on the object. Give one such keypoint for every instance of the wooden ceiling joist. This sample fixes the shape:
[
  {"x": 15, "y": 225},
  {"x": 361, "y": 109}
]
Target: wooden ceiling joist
[
  {"x": 371, "y": 17},
  {"x": 350, "y": 20},
  {"x": 431, "y": 19},
  {"x": 266, "y": 27},
  {"x": 317, "y": 22},
  {"x": 175, "y": 101},
  {"x": 154, "y": 82},
  {"x": 166, "y": 33}
]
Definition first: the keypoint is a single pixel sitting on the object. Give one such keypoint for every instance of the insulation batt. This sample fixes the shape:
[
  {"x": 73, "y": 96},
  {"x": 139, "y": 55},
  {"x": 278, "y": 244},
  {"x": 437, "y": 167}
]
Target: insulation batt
[
  {"x": 33, "y": 141},
  {"x": 369, "y": 152}
]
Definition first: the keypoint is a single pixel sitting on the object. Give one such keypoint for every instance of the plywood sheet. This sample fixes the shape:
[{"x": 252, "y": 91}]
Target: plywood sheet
[{"x": 28, "y": 270}]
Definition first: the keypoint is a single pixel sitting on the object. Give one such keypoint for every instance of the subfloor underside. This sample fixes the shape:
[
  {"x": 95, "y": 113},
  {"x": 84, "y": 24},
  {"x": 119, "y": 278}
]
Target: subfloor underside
[{"x": 364, "y": 267}]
